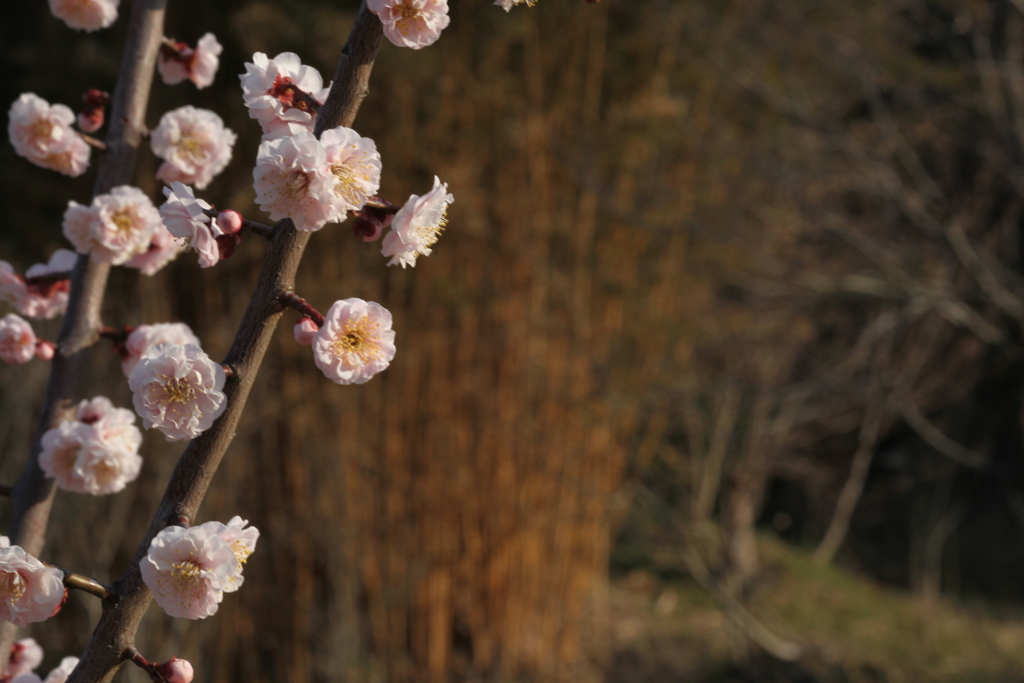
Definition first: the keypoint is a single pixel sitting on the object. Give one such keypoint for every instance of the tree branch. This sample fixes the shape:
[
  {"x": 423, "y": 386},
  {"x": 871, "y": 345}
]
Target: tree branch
[{"x": 116, "y": 629}]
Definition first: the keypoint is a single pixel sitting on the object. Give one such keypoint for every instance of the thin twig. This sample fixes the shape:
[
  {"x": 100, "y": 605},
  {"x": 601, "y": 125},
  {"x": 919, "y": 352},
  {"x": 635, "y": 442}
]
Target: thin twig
[
  {"x": 293, "y": 300},
  {"x": 132, "y": 655},
  {"x": 87, "y": 585}
]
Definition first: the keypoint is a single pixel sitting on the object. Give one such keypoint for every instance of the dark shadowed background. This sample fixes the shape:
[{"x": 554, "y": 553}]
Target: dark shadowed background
[{"x": 719, "y": 353}]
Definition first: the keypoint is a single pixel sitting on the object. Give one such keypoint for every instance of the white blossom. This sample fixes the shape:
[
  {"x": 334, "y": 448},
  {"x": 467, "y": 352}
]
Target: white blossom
[
  {"x": 417, "y": 226},
  {"x": 177, "y": 389},
  {"x": 115, "y": 227},
  {"x": 194, "y": 145},
  {"x": 29, "y": 590},
  {"x": 188, "y": 570},
  {"x": 355, "y": 342},
  {"x": 277, "y": 92}
]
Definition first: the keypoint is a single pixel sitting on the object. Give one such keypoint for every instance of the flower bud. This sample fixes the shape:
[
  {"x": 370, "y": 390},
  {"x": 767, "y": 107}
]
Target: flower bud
[
  {"x": 229, "y": 221},
  {"x": 45, "y": 350},
  {"x": 226, "y": 244},
  {"x": 175, "y": 670},
  {"x": 304, "y": 331},
  {"x": 367, "y": 228},
  {"x": 90, "y": 120}
]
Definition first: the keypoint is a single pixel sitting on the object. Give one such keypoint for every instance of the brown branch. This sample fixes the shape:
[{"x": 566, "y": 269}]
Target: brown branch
[
  {"x": 93, "y": 142},
  {"x": 115, "y": 632},
  {"x": 264, "y": 231},
  {"x": 33, "y": 494},
  {"x": 293, "y": 300}
]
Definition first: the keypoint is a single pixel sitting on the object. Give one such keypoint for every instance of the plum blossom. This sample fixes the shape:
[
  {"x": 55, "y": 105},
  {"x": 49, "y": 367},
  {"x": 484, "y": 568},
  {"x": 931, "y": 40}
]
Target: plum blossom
[
  {"x": 17, "y": 340},
  {"x": 242, "y": 542},
  {"x": 176, "y": 670},
  {"x": 144, "y": 338},
  {"x": 85, "y": 15},
  {"x": 115, "y": 228},
  {"x": 26, "y": 655},
  {"x": 355, "y": 342},
  {"x": 27, "y": 678},
  {"x": 177, "y": 61},
  {"x": 194, "y": 145},
  {"x": 184, "y": 216},
  {"x": 96, "y": 453},
  {"x": 188, "y": 570},
  {"x": 282, "y": 94},
  {"x": 29, "y": 590},
  {"x": 43, "y": 134},
  {"x": 163, "y": 248},
  {"x": 417, "y": 225},
  {"x": 177, "y": 389},
  {"x": 292, "y": 180},
  {"x": 355, "y": 164},
  {"x": 41, "y": 300},
  {"x": 411, "y": 23}
]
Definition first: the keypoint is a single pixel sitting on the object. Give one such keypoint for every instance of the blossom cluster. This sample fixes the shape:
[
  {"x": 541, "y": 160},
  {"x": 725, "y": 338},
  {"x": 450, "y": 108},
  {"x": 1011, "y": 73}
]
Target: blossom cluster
[
  {"x": 29, "y": 590},
  {"x": 178, "y": 390},
  {"x": 189, "y": 570},
  {"x": 313, "y": 181},
  {"x": 42, "y": 133},
  {"x": 95, "y": 453}
]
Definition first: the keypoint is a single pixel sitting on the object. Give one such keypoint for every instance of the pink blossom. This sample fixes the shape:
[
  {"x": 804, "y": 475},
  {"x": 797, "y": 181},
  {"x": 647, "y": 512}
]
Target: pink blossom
[
  {"x": 187, "y": 570},
  {"x": 116, "y": 227},
  {"x": 355, "y": 164},
  {"x": 38, "y": 300},
  {"x": 175, "y": 670},
  {"x": 411, "y": 23},
  {"x": 27, "y": 678},
  {"x": 305, "y": 330},
  {"x": 43, "y": 134},
  {"x": 29, "y": 590},
  {"x": 96, "y": 453},
  {"x": 292, "y": 180},
  {"x": 355, "y": 342},
  {"x": 177, "y": 389},
  {"x": 91, "y": 410},
  {"x": 282, "y": 94},
  {"x": 194, "y": 145},
  {"x": 90, "y": 120},
  {"x": 177, "y": 61},
  {"x": 229, "y": 222},
  {"x": 417, "y": 225},
  {"x": 184, "y": 217},
  {"x": 17, "y": 340},
  {"x": 163, "y": 248},
  {"x": 61, "y": 447},
  {"x": 61, "y": 673},
  {"x": 86, "y": 15},
  {"x": 242, "y": 542},
  {"x": 144, "y": 338},
  {"x": 26, "y": 655}
]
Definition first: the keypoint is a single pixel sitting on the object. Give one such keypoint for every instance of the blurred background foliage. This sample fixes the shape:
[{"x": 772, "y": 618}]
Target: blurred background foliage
[{"x": 716, "y": 373}]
